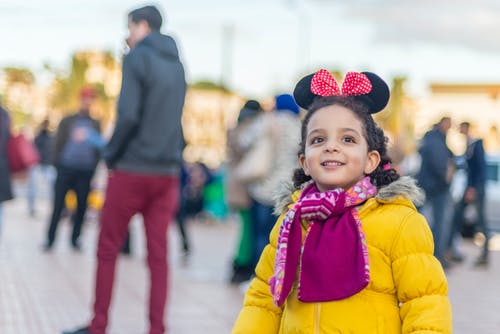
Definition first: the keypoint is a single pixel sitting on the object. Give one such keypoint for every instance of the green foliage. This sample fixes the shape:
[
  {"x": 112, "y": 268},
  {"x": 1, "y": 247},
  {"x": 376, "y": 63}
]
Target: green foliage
[
  {"x": 18, "y": 75},
  {"x": 20, "y": 78},
  {"x": 66, "y": 86},
  {"x": 109, "y": 59},
  {"x": 18, "y": 116},
  {"x": 209, "y": 85},
  {"x": 390, "y": 117}
]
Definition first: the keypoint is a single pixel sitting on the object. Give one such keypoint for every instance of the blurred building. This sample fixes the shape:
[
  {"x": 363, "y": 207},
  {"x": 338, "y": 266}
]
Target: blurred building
[
  {"x": 97, "y": 68},
  {"x": 397, "y": 120},
  {"x": 21, "y": 96},
  {"x": 30, "y": 102},
  {"x": 104, "y": 69},
  {"x": 208, "y": 113},
  {"x": 478, "y": 104}
]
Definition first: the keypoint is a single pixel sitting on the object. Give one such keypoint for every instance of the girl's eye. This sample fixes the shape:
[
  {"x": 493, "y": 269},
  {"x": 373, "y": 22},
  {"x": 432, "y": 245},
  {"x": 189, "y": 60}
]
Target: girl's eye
[
  {"x": 317, "y": 140},
  {"x": 348, "y": 139}
]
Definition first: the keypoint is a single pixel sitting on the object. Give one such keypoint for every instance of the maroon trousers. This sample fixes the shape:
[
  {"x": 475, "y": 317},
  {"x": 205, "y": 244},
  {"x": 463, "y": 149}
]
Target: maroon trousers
[{"x": 156, "y": 198}]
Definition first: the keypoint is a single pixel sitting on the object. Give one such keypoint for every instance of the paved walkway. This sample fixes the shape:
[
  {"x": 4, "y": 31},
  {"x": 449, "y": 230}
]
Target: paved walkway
[{"x": 46, "y": 293}]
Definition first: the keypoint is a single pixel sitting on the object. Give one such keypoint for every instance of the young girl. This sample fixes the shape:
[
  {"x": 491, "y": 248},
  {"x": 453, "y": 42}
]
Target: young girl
[{"x": 349, "y": 253}]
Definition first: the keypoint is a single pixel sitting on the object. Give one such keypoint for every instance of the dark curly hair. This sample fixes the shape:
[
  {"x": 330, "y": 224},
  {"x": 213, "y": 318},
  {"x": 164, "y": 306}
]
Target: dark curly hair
[{"x": 373, "y": 134}]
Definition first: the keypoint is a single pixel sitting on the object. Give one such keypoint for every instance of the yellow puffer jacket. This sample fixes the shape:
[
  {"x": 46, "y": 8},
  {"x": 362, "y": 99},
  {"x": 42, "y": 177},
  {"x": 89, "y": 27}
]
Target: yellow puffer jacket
[{"x": 407, "y": 292}]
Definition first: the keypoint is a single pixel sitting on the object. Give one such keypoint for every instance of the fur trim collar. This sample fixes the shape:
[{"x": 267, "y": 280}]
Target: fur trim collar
[{"x": 405, "y": 186}]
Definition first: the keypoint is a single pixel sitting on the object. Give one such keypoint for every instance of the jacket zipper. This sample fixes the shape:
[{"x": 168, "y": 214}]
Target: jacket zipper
[{"x": 317, "y": 312}]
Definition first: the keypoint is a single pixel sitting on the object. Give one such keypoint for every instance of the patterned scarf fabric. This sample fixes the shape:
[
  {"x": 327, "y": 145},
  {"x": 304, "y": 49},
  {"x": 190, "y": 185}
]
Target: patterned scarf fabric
[{"x": 334, "y": 257}]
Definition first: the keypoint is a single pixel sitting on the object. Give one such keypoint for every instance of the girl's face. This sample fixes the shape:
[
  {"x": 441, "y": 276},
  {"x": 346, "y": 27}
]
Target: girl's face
[{"x": 336, "y": 151}]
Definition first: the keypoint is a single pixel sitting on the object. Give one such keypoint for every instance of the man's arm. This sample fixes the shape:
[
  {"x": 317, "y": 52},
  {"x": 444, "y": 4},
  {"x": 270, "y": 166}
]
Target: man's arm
[
  {"x": 129, "y": 109},
  {"x": 59, "y": 140},
  {"x": 439, "y": 157},
  {"x": 480, "y": 160}
]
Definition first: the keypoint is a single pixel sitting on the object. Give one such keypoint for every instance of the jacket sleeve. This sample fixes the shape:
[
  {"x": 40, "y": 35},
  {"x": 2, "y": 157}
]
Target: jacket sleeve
[
  {"x": 60, "y": 139},
  {"x": 4, "y": 126},
  {"x": 96, "y": 139},
  {"x": 259, "y": 314},
  {"x": 421, "y": 285},
  {"x": 439, "y": 157},
  {"x": 129, "y": 107},
  {"x": 477, "y": 173}
]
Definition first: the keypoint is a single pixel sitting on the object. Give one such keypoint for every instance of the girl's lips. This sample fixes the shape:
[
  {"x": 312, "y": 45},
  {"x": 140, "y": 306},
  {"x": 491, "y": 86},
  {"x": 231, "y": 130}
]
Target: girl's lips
[{"x": 330, "y": 163}]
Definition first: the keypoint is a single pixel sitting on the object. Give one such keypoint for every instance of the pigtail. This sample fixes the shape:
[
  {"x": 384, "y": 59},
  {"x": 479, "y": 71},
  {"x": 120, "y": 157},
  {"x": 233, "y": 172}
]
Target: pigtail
[
  {"x": 299, "y": 178},
  {"x": 384, "y": 174}
]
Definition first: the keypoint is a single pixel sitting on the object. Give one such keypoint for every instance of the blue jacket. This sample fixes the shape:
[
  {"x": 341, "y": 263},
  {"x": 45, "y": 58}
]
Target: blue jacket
[
  {"x": 476, "y": 164},
  {"x": 436, "y": 157}
]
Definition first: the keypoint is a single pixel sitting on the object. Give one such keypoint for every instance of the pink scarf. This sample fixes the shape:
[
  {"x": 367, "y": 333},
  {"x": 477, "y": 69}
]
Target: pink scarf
[{"x": 334, "y": 258}]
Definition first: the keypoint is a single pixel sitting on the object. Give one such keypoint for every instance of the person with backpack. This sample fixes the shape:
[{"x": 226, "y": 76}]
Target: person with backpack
[{"x": 75, "y": 157}]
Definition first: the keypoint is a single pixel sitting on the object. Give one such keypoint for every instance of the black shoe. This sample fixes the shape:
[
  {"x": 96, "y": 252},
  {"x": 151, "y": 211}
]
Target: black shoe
[
  {"x": 241, "y": 274},
  {"x": 84, "y": 330},
  {"x": 481, "y": 261},
  {"x": 186, "y": 250},
  {"x": 47, "y": 247},
  {"x": 126, "y": 251},
  {"x": 457, "y": 257},
  {"x": 446, "y": 265},
  {"x": 76, "y": 246},
  {"x": 126, "y": 248}
]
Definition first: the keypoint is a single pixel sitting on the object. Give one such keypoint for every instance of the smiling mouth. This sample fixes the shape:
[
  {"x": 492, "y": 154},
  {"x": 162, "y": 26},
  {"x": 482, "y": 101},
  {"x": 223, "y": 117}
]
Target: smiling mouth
[{"x": 331, "y": 164}]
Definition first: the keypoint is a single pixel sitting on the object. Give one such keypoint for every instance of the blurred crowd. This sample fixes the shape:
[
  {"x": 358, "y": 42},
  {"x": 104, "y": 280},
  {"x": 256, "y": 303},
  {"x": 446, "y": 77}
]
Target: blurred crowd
[
  {"x": 63, "y": 163},
  {"x": 261, "y": 150}
]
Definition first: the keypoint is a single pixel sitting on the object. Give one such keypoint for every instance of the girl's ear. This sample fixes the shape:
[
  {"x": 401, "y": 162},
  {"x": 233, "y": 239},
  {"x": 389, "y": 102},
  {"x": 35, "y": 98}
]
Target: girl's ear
[
  {"x": 303, "y": 164},
  {"x": 372, "y": 162}
]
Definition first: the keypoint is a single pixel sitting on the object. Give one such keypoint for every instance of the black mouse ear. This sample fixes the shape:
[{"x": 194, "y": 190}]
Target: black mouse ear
[
  {"x": 378, "y": 97},
  {"x": 302, "y": 92}
]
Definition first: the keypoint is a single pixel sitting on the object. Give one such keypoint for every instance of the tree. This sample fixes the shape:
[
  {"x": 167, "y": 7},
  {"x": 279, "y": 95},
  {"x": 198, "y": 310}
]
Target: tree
[
  {"x": 397, "y": 120},
  {"x": 65, "y": 87},
  {"x": 17, "y": 75},
  {"x": 88, "y": 68},
  {"x": 18, "y": 95}
]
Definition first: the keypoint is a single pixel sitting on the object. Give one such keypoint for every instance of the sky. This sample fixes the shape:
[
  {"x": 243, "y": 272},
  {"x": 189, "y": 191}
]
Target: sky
[{"x": 270, "y": 44}]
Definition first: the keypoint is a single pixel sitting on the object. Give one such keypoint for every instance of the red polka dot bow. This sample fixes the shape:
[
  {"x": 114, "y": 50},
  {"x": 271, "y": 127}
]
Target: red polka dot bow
[{"x": 324, "y": 84}]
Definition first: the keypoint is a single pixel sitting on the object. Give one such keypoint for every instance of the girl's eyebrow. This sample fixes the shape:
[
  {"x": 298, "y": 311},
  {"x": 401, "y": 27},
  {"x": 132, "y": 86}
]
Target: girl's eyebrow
[
  {"x": 313, "y": 132},
  {"x": 349, "y": 130},
  {"x": 341, "y": 130}
]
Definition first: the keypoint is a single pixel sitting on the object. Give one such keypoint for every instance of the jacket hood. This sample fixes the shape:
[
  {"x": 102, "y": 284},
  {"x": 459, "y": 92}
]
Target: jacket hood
[
  {"x": 405, "y": 186},
  {"x": 163, "y": 44}
]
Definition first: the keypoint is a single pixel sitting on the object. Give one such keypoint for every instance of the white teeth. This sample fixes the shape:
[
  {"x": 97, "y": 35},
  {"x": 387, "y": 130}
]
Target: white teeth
[{"x": 331, "y": 163}]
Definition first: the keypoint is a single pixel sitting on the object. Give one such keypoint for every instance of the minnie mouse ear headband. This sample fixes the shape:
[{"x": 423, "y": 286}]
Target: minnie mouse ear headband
[{"x": 365, "y": 86}]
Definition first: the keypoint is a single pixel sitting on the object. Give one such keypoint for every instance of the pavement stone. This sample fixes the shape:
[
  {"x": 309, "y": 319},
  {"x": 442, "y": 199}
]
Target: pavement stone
[{"x": 50, "y": 292}]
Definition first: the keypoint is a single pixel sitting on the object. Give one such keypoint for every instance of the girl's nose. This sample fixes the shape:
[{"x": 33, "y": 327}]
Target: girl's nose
[{"x": 331, "y": 146}]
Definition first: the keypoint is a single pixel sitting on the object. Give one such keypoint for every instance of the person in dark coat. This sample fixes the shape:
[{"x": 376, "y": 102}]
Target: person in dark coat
[
  {"x": 434, "y": 178},
  {"x": 5, "y": 181},
  {"x": 194, "y": 177},
  {"x": 237, "y": 195},
  {"x": 474, "y": 194},
  {"x": 44, "y": 171},
  {"x": 75, "y": 157},
  {"x": 144, "y": 156},
  {"x": 43, "y": 143}
]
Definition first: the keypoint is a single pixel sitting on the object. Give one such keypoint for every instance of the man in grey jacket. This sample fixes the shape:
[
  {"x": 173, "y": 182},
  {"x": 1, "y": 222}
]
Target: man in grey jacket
[{"x": 144, "y": 158}]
